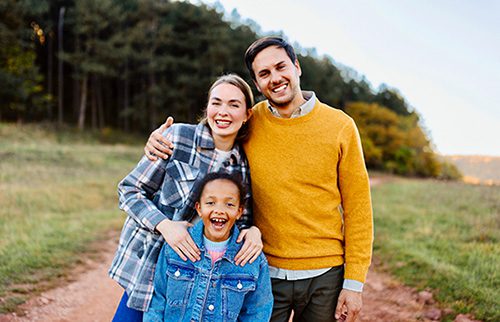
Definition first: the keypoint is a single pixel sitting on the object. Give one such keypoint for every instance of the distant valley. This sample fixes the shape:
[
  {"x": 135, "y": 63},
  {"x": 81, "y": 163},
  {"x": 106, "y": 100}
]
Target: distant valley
[{"x": 478, "y": 169}]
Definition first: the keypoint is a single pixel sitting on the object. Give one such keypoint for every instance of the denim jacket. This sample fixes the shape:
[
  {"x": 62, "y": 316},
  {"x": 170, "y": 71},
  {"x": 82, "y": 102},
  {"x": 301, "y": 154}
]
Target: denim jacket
[
  {"x": 187, "y": 291},
  {"x": 163, "y": 189}
]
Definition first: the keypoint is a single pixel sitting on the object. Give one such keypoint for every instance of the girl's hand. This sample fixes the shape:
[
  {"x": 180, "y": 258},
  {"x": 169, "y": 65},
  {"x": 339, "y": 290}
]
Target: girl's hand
[
  {"x": 176, "y": 235},
  {"x": 251, "y": 248}
]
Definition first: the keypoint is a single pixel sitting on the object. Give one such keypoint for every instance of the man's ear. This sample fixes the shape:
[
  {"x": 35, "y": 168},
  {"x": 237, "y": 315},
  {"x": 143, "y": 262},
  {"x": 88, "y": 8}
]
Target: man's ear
[
  {"x": 297, "y": 65},
  {"x": 257, "y": 86}
]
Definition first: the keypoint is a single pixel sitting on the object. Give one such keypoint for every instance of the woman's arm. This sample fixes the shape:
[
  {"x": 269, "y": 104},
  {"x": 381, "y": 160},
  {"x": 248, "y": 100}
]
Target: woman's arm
[{"x": 136, "y": 193}]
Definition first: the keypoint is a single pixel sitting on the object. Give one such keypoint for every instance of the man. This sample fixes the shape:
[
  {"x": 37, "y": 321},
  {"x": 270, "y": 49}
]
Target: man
[{"x": 310, "y": 188}]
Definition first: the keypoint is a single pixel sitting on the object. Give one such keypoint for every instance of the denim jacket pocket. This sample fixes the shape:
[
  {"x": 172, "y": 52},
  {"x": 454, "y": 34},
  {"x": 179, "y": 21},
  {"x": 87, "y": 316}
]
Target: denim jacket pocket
[
  {"x": 234, "y": 290},
  {"x": 180, "y": 284},
  {"x": 178, "y": 183}
]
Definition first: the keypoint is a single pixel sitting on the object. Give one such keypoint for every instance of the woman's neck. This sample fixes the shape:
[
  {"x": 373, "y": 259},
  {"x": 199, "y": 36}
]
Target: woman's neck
[{"x": 223, "y": 143}]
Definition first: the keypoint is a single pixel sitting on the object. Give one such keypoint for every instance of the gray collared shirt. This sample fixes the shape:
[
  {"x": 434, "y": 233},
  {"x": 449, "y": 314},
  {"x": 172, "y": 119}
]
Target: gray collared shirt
[
  {"x": 289, "y": 274},
  {"x": 302, "y": 110}
]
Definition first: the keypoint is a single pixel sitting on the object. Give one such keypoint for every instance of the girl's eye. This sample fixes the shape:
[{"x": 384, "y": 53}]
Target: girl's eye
[
  {"x": 231, "y": 204},
  {"x": 235, "y": 105},
  {"x": 209, "y": 203}
]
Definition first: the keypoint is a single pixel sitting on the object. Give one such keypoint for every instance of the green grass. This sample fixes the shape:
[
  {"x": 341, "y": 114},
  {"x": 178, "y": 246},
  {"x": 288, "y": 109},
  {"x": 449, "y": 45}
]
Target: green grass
[
  {"x": 57, "y": 198},
  {"x": 443, "y": 236}
]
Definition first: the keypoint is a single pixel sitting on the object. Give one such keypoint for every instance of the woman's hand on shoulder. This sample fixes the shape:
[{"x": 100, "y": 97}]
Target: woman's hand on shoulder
[
  {"x": 157, "y": 145},
  {"x": 177, "y": 236},
  {"x": 252, "y": 247}
]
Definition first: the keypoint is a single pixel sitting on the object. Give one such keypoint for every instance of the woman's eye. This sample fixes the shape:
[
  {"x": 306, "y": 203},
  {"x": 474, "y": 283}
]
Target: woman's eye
[{"x": 231, "y": 204}]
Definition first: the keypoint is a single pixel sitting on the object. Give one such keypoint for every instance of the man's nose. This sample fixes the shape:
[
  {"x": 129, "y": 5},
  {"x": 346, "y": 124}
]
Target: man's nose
[{"x": 275, "y": 77}]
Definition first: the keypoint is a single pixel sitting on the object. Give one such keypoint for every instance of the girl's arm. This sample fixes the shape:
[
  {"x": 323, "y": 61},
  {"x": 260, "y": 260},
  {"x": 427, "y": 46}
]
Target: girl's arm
[
  {"x": 156, "y": 311},
  {"x": 258, "y": 305}
]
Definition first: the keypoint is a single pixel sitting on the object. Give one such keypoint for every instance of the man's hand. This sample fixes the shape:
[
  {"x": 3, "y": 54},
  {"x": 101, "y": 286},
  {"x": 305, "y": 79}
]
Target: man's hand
[
  {"x": 157, "y": 145},
  {"x": 176, "y": 235},
  {"x": 348, "y": 306},
  {"x": 251, "y": 248}
]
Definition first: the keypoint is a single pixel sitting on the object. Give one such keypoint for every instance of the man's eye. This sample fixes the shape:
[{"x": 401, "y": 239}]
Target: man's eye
[{"x": 235, "y": 105}]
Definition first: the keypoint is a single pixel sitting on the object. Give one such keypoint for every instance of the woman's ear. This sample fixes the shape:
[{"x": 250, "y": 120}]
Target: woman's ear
[{"x": 249, "y": 114}]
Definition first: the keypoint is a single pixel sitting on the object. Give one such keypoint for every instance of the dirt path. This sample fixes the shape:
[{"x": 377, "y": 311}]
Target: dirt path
[{"x": 94, "y": 297}]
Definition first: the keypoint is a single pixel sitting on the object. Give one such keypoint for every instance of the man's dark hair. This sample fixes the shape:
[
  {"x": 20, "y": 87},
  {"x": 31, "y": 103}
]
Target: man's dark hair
[
  {"x": 261, "y": 44},
  {"x": 220, "y": 176}
]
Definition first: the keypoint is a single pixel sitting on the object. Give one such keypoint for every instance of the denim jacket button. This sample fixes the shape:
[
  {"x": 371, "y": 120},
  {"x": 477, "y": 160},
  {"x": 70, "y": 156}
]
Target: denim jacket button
[
  {"x": 239, "y": 286},
  {"x": 177, "y": 273},
  {"x": 211, "y": 307},
  {"x": 214, "y": 284}
]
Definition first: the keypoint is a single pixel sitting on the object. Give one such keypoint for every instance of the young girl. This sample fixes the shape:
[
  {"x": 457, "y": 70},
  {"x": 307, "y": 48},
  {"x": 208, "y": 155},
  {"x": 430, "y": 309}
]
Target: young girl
[
  {"x": 156, "y": 195},
  {"x": 214, "y": 288}
]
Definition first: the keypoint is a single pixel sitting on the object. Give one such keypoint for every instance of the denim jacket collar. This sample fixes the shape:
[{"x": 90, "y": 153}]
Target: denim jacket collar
[
  {"x": 204, "y": 140},
  {"x": 232, "y": 248}
]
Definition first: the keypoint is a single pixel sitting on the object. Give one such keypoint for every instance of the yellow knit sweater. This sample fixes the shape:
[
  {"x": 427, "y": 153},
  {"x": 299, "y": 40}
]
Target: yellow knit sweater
[{"x": 303, "y": 169}]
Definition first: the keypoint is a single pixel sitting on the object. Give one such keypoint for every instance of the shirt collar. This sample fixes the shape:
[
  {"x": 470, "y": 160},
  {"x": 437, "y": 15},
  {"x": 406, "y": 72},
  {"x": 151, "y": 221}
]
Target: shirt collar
[
  {"x": 204, "y": 140},
  {"x": 301, "y": 110}
]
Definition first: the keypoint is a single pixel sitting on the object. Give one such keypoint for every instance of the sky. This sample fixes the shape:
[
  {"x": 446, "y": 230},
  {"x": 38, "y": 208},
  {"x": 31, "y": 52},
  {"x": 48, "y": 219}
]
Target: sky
[{"x": 442, "y": 55}]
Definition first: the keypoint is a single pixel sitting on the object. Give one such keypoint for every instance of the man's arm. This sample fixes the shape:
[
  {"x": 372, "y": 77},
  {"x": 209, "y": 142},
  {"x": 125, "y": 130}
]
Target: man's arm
[{"x": 358, "y": 222}]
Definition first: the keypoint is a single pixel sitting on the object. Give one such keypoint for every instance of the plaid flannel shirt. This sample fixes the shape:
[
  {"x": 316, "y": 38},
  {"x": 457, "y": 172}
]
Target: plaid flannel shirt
[{"x": 154, "y": 191}]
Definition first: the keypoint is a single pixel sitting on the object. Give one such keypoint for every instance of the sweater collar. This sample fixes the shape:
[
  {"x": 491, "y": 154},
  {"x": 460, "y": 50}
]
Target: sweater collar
[{"x": 232, "y": 248}]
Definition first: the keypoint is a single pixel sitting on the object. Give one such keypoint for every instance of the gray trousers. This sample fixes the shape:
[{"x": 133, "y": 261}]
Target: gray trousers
[{"x": 312, "y": 300}]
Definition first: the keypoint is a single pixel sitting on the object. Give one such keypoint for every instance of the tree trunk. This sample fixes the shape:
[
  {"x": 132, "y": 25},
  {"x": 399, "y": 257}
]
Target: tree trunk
[
  {"x": 100, "y": 104},
  {"x": 60, "y": 80},
  {"x": 152, "y": 97},
  {"x": 50, "y": 72},
  {"x": 126, "y": 98},
  {"x": 93, "y": 102},
  {"x": 83, "y": 103}
]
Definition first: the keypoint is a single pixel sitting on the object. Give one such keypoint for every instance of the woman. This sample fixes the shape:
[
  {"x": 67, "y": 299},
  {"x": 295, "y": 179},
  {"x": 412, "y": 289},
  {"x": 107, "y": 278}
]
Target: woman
[{"x": 157, "y": 196}]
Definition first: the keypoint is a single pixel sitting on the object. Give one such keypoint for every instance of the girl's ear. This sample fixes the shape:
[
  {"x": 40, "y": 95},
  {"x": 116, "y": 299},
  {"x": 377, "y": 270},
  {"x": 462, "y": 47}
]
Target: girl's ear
[
  {"x": 240, "y": 212},
  {"x": 198, "y": 209}
]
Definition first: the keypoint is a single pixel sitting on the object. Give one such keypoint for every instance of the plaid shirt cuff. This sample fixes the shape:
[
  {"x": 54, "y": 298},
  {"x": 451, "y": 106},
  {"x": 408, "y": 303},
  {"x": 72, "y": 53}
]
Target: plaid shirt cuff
[{"x": 151, "y": 218}]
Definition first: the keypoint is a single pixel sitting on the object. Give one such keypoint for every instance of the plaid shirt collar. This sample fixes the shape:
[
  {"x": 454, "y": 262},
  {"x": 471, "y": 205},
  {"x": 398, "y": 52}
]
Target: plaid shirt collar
[{"x": 204, "y": 140}]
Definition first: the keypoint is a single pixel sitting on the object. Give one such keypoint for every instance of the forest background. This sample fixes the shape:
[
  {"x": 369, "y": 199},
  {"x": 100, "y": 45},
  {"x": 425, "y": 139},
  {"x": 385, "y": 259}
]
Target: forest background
[{"x": 115, "y": 66}]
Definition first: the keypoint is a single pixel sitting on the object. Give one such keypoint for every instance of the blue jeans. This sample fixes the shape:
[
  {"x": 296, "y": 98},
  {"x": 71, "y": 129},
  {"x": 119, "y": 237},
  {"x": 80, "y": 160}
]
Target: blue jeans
[{"x": 125, "y": 314}]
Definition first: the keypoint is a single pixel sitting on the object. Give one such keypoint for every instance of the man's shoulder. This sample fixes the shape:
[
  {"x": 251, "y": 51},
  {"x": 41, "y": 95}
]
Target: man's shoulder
[
  {"x": 333, "y": 111},
  {"x": 260, "y": 107}
]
